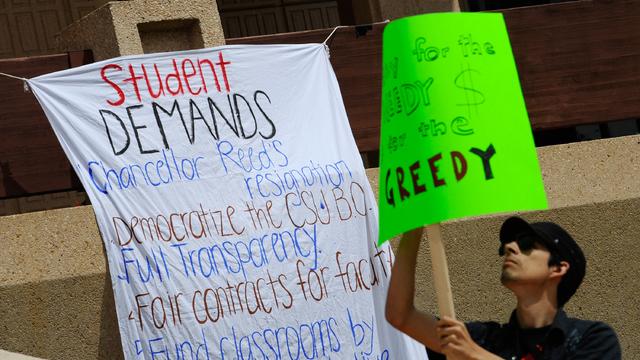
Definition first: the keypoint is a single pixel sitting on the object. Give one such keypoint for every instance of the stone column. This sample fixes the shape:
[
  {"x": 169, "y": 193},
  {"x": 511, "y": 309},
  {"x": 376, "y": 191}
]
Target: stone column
[{"x": 145, "y": 26}]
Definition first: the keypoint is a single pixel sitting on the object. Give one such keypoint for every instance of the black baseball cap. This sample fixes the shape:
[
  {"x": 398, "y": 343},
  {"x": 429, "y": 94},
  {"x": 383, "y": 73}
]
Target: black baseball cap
[{"x": 560, "y": 244}]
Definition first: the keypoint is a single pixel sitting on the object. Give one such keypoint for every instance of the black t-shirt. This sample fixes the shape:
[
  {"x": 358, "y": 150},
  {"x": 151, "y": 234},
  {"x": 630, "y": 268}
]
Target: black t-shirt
[
  {"x": 532, "y": 342},
  {"x": 565, "y": 338}
]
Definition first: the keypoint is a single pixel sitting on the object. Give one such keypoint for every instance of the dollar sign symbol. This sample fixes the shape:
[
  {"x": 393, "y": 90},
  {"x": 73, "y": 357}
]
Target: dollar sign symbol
[{"x": 473, "y": 96}]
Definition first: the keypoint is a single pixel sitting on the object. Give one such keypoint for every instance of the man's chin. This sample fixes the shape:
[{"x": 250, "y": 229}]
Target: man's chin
[{"x": 506, "y": 278}]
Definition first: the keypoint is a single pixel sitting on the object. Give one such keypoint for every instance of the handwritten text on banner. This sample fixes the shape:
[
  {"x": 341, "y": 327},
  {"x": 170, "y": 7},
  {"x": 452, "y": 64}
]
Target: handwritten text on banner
[{"x": 233, "y": 204}]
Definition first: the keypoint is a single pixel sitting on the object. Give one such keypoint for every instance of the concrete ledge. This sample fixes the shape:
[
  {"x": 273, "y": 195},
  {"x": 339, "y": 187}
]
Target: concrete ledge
[
  {"x": 585, "y": 172},
  {"x": 591, "y": 171},
  {"x": 13, "y": 356},
  {"x": 56, "y": 299},
  {"x": 50, "y": 245}
]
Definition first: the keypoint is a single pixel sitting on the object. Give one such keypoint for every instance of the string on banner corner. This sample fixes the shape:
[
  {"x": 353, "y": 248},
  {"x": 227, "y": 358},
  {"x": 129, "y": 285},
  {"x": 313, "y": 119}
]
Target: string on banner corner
[{"x": 361, "y": 30}]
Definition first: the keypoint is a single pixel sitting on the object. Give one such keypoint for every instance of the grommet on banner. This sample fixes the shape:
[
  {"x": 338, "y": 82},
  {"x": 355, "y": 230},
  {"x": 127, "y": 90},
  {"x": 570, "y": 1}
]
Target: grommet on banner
[
  {"x": 326, "y": 47},
  {"x": 24, "y": 80}
]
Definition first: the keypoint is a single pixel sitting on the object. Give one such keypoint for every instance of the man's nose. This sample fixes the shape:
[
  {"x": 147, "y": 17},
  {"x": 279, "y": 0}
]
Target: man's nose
[{"x": 511, "y": 247}]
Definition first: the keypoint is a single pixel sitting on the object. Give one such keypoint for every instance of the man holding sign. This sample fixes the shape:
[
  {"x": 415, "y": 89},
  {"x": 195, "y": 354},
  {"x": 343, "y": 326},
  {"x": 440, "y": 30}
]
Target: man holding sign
[
  {"x": 543, "y": 267},
  {"x": 456, "y": 142}
]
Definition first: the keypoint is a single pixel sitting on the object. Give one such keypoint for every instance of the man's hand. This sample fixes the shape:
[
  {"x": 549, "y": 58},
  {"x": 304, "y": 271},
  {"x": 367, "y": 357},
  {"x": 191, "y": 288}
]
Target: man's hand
[{"x": 456, "y": 343}]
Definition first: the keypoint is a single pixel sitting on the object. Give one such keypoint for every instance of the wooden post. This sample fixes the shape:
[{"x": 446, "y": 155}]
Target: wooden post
[{"x": 440, "y": 271}]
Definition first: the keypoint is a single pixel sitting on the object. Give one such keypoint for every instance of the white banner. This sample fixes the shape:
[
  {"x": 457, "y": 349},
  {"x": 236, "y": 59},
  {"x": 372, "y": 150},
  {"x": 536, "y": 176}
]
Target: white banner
[{"x": 234, "y": 207}]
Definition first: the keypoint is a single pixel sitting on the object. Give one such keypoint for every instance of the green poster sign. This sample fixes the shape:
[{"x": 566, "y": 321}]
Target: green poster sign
[{"x": 455, "y": 139}]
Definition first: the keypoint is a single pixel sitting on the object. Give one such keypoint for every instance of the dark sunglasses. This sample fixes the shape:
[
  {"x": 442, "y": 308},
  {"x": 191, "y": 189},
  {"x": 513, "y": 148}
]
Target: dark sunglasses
[{"x": 525, "y": 243}]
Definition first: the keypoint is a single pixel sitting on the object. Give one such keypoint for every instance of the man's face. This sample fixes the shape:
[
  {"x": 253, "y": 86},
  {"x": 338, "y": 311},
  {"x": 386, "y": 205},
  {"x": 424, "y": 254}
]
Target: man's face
[{"x": 526, "y": 261}]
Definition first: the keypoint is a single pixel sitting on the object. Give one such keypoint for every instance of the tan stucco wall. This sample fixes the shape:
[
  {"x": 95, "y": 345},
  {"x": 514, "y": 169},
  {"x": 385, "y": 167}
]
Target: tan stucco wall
[
  {"x": 607, "y": 233},
  {"x": 122, "y": 28},
  {"x": 56, "y": 300}
]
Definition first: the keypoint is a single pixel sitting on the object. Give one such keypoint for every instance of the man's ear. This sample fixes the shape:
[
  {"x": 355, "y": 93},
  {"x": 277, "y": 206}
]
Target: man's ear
[{"x": 559, "y": 270}]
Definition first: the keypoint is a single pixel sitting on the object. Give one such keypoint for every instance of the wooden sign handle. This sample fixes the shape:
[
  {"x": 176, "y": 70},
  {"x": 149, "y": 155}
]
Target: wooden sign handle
[
  {"x": 440, "y": 271},
  {"x": 438, "y": 256}
]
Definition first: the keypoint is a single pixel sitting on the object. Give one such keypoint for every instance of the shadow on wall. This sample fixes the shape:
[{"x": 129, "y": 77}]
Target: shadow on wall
[
  {"x": 10, "y": 185},
  {"x": 110, "y": 346},
  {"x": 57, "y": 319}
]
